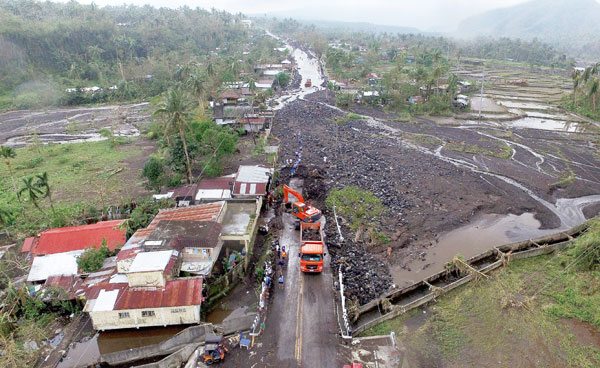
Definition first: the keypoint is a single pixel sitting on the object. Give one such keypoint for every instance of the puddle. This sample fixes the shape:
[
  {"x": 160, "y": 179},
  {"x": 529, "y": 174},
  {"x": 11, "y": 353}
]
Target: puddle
[
  {"x": 220, "y": 314},
  {"x": 524, "y": 105},
  {"x": 118, "y": 340},
  {"x": 546, "y": 124},
  {"x": 481, "y": 235},
  {"x": 81, "y": 354}
]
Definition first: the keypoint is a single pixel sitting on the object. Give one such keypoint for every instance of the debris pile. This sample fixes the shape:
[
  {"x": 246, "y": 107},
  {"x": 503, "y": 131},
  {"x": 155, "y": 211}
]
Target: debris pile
[{"x": 365, "y": 277}]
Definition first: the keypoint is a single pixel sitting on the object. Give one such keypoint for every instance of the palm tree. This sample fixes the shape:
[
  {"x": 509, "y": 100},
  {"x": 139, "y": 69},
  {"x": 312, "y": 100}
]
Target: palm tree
[
  {"x": 175, "y": 110},
  {"x": 195, "y": 83},
  {"x": 576, "y": 76},
  {"x": 594, "y": 87},
  {"x": 43, "y": 184},
  {"x": 7, "y": 153},
  {"x": 33, "y": 192}
]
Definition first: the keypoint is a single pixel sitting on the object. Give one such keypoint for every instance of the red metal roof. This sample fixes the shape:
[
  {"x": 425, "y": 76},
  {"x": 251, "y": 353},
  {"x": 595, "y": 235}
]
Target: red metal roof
[
  {"x": 203, "y": 212},
  {"x": 67, "y": 239},
  {"x": 250, "y": 189},
  {"x": 177, "y": 293},
  {"x": 28, "y": 245},
  {"x": 216, "y": 183}
]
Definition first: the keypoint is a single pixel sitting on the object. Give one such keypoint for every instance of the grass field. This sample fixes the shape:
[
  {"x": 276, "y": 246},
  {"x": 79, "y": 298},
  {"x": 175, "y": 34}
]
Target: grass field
[
  {"x": 538, "y": 312},
  {"x": 81, "y": 175}
]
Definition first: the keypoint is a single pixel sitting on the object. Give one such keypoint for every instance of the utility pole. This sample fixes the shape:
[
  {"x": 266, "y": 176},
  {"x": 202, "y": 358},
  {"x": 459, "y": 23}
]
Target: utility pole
[{"x": 481, "y": 93}]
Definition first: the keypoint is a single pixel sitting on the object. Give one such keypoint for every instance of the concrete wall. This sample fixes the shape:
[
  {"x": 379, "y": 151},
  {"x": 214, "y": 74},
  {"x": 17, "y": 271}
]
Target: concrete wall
[
  {"x": 110, "y": 320},
  {"x": 155, "y": 278},
  {"x": 193, "y": 334}
]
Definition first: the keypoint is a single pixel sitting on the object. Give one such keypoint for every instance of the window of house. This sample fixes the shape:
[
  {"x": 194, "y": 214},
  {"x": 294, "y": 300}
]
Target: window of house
[
  {"x": 123, "y": 314},
  {"x": 148, "y": 313}
]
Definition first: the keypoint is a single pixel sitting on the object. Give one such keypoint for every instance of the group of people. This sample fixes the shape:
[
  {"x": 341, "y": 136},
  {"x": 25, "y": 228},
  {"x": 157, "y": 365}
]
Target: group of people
[{"x": 281, "y": 261}]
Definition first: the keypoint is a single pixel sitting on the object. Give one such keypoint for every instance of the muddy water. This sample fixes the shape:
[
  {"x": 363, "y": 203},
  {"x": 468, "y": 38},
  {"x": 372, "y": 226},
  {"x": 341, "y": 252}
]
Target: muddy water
[
  {"x": 87, "y": 353},
  {"x": 82, "y": 354},
  {"x": 486, "y": 232},
  {"x": 308, "y": 67},
  {"x": 546, "y": 124}
]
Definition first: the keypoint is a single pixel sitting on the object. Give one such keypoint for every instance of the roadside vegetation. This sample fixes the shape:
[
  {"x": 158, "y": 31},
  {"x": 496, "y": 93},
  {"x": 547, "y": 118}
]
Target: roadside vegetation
[{"x": 533, "y": 306}]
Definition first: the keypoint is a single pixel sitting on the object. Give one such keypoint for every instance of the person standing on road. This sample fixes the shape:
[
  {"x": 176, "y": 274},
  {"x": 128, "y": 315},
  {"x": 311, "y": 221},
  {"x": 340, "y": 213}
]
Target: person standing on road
[{"x": 280, "y": 280}]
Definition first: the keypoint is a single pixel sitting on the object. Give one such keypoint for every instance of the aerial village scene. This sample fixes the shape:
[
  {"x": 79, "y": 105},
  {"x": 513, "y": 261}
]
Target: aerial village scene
[{"x": 183, "y": 187}]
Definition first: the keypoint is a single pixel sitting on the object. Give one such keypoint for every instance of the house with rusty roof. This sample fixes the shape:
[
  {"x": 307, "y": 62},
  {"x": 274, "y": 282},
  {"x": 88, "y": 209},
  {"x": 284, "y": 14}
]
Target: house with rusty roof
[
  {"x": 119, "y": 305},
  {"x": 76, "y": 238},
  {"x": 193, "y": 232}
]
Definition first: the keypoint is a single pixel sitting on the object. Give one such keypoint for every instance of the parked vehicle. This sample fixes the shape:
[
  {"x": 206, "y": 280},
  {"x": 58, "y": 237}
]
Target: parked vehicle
[
  {"x": 214, "y": 350},
  {"x": 308, "y": 83}
]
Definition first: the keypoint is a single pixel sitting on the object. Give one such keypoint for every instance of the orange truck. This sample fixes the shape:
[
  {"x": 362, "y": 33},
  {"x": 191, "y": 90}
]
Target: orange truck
[{"x": 312, "y": 247}]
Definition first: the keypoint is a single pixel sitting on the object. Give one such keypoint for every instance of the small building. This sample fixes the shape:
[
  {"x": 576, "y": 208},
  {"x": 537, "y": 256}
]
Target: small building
[
  {"x": 119, "y": 306},
  {"x": 287, "y": 64},
  {"x": 183, "y": 196},
  {"x": 74, "y": 238},
  {"x": 226, "y": 115},
  {"x": 253, "y": 123},
  {"x": 231, "y": 97},
  {"x": 215, "y": 189},
  {"x": 461, "y": 101},
  {"x": 252, "y": 181},
  {"x": 265, "y": 83},
  {"x": 58, "y": 264}
]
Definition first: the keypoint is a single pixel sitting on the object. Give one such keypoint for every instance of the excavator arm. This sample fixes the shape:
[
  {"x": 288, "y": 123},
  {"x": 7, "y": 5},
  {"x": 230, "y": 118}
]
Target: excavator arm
[{"x": 287, "y": 191}]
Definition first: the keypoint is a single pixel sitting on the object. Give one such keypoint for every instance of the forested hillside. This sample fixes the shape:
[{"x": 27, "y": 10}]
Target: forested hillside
[
  {"x": 573, "y": 25},
  {"x": 47, "y": 48}
]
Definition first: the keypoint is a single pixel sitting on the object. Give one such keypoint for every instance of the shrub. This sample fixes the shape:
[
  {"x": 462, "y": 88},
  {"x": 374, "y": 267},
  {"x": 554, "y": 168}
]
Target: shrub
[{"x": 92, "y": 259}]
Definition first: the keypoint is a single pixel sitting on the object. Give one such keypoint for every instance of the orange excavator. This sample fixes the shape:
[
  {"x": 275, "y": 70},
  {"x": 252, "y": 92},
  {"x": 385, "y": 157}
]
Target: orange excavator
[{"x": 300, "y": 209}]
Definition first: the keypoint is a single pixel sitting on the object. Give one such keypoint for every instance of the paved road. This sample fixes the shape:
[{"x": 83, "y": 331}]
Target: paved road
[{"x": 304, "y": 317}]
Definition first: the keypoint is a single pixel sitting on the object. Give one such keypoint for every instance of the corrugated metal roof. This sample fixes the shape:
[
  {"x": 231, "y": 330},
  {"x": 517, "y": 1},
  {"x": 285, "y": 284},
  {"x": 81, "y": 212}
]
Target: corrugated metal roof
[
  {"x": 151, "y": 261},
  {"x": 204, "y": 194},
  {"x": 176, "y": 293},
  {"x": 73, "y": 238},
  {"x": 224, "y": 182},
  {"x": 53, "y": 265},
  {"x": 251, "y": 189},
  {"x": 201, "y": 212},
  {"x": 253, "y": 174},
  {"x": 28, "y": 245}
]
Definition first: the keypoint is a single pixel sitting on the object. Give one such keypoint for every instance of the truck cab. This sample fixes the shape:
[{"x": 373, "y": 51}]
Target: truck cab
[{"x": 311, "y": 257}]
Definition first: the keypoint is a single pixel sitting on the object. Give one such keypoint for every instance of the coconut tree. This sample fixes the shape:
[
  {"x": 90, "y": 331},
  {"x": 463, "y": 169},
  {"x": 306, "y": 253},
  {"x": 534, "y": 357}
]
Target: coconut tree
[
  {"x": 32, "y": 191},
  {"x": 43, "y": 184},
  {"x": 576, "y": 76},
  {"x": 175, "y": 109},
  {"x": 9, "y": 153},
  {"x": 593, "y": 93}
]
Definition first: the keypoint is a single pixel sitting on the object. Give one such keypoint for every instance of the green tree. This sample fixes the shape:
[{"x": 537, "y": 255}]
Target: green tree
[
  {"x": 7, "y": 154},
  {"x": 282, "y": 79},
  {"x": 42, "y": 183},
  {"x": 176, "y": 112},
  {"x": 143, "y": 214},
  {"x": 33, "y": 192},
  {"x": 92, "y": 259},
  {"x": 154, "y": 170}
]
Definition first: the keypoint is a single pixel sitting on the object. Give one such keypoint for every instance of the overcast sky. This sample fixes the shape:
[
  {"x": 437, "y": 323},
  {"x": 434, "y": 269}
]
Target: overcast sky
[{"x": 423, "y": 14}]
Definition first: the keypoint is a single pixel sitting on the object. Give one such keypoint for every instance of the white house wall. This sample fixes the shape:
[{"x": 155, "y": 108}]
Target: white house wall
[{"x": 110, "y": 320}]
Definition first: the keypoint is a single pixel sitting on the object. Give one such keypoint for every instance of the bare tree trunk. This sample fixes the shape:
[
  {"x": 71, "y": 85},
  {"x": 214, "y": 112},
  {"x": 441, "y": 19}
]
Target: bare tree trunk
[{"x": 187, "y": 156}]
